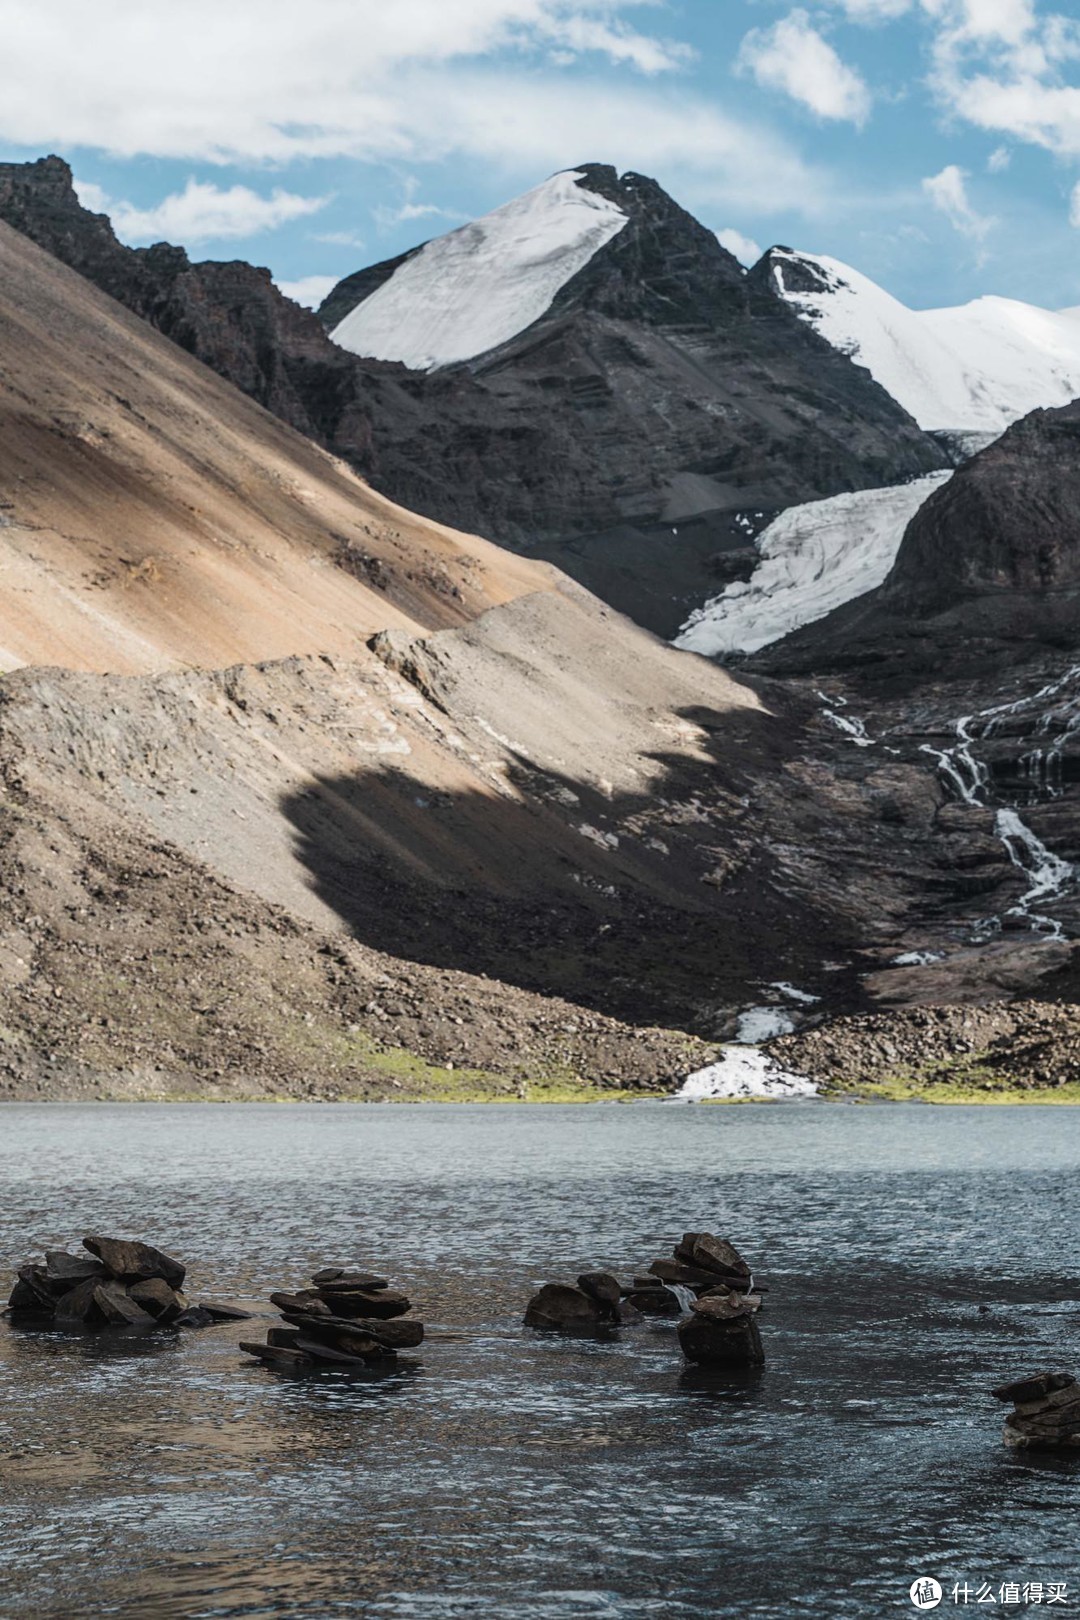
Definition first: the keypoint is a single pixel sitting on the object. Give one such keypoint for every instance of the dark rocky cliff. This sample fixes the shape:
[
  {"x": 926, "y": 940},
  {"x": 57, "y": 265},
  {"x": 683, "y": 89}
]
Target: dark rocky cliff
[{"x": 620, "y": 436}]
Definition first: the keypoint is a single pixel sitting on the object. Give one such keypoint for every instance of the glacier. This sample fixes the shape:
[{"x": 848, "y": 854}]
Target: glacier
[
  {"x": 974, "y": 368},
  {"x": 814, "y": 558},
  {"x": 477, "y": 287}
]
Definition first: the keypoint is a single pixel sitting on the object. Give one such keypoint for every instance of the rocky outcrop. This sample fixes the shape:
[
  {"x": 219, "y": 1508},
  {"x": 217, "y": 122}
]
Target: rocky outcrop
[
  {"x": 621, "y": 435},
  {"x": 987, "y": 575}
]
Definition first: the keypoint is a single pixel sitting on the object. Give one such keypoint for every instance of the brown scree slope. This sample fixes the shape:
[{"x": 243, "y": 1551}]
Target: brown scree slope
[{"x": 152, "y": 516}]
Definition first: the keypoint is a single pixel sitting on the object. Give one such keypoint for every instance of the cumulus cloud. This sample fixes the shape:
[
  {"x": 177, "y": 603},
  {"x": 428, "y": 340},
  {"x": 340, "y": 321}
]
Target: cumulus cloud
[
  {"x": 794, "y": 58},
  {"x": 203, "y": 213},
  {"x": 309, "y": 290},
  {"x": 999, "y": 160},
  {"x": 745, "y": 249},
  {"x": 948, "y": 193},
  {"x": 1003, "y": 66}
]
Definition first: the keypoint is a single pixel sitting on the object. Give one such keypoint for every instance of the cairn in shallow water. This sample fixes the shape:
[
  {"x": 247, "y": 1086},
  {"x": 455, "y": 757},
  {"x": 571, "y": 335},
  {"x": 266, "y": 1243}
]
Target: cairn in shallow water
[
  {"x": 349, "y": 1319},
  {"x": 706, "y": 1278},
  {"x": 1046, "y": 1412},
  {"x": 115, "y": 1283}
]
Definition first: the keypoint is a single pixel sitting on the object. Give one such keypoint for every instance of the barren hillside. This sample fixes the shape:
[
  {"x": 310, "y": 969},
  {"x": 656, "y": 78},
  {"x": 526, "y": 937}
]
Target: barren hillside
[{"x": 152, "y": 516}]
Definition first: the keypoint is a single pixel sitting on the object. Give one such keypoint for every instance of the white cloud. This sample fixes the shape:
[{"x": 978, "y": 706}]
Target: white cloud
[
  {"x": 745, "y": 249},
  {"x": 309, "y": 290},
  {"x": 793, "y": 57},
  {"x": 199, "y": 213},
  {"x": 948, "y": 193},
  {"x": 999, "y": 65},
  {"x": 91, "y": 195},
  {"x": 411, "y": 83},
  {"x": 347, "y": 239},
  {"x": 875, "y": 11},
  {"x": 999, "y": 160},
  {"x": 244, "y": 82},
  {"x": 409, "y": 209}
]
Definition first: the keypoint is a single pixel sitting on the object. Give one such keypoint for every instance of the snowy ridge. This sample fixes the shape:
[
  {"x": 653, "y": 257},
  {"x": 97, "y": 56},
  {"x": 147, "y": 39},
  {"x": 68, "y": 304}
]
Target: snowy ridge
[
  {"x": 975, "y": 368},
  {"x": 477, "y": 287},
  {"x": 814, "y": 558}
]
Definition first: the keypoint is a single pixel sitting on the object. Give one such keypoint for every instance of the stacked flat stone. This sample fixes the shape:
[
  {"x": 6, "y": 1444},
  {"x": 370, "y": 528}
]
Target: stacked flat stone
[
  {"x": 115, "y": 1283},
  {"x": 348, "y": 1319},
  {"x": 1046, "y": 1412}
]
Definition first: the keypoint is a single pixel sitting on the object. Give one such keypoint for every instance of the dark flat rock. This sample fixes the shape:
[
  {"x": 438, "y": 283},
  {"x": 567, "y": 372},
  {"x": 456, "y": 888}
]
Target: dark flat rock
[
  {"x": 395, "y": 1335},
  {"x": 381, "y": 1303},
  {"x": 224, "y": 1313},
  {"x": 557, "y": 1305},
  {"x": 158, "y": 1300},
  {"x": 346, "y": 1281},
  {"x": 277, "y": 1355},
  {"x": 195, "y": 1316},
  {"x": 69, "y": 1269},
  {"x": 602, "y": 1286},
  {"x": 325, "y": 1352},
  {"x": 301, "y": 1304},
  {"x": 135, "y": 1262},
  {"x": 1034, "y": 1387},
  {"x": 654, "y": 1301},
  {"x": 113, "y": 1306}
]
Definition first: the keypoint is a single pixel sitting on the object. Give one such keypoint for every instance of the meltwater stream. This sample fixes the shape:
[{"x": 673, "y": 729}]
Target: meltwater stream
[
  {"x": 914, "y": 1257},
  {"x": 1052, "y": 712}
]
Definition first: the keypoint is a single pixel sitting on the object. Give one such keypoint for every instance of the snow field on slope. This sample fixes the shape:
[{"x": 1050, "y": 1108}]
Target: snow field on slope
[
  {"x": 477, "y": 287},
  {"x": 977, "y": 367},
  {"x": 814, "y": 558},
  {"x": 745, "y": 1073}
]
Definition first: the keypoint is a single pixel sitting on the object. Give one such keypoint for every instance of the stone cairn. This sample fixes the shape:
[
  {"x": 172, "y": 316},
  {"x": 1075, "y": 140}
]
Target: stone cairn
[
  {"x": 115, "y": 1283},
  {"x": 1046, "y": 1412},
  {"x": 348, "y": 1320},
  {"x": 706, "y": 1277}
]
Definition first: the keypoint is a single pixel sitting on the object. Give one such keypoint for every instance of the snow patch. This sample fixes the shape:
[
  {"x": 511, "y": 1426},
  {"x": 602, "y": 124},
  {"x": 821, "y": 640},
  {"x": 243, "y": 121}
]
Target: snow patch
[
  {"x": 814, "y": 558},
  {"x": 977, "y": 367},
  {"x": 479, "y": 286},
  {"x": 793, "y": 993},
  {"x": 917, "y": 959},
  {"x": 745, "y": 1074},
  {"x": 762, "y": 1024}
]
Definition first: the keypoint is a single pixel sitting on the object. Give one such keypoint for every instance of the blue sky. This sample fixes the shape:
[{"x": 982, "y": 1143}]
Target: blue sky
[{"x": 933, "y": 144}]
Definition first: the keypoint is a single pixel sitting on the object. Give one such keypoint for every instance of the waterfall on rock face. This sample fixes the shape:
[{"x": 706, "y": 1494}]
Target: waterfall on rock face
[{"x": 1054, "y": 710}]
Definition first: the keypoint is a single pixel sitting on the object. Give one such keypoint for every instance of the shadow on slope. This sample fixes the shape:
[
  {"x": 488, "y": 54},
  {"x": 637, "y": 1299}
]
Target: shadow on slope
[{"x": 654, "y": 906}]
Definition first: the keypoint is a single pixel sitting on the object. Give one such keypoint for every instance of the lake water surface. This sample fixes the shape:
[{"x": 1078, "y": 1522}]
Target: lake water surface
[{"x": 503, "y": 1473}]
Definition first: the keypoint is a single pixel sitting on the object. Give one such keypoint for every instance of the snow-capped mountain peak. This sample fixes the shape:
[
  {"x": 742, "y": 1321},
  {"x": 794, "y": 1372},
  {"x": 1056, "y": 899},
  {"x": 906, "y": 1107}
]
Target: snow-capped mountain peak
[
  {"x": 475, "y": 288},
  {"x": 975, "y": 368}
]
